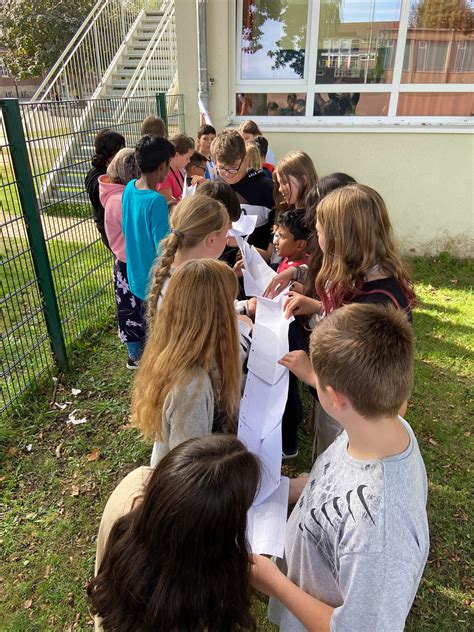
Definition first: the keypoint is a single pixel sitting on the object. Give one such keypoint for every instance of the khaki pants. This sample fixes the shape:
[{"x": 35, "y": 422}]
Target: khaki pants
[{"x": 326, "y": 430}]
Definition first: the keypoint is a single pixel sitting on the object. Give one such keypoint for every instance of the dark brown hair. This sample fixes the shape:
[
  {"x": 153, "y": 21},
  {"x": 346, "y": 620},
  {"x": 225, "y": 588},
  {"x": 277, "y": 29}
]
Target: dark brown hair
[
  {"x": 249, "y": 127},
  {"x": 366, "y": 353},
  {"x": 222, "y": 192},
  {"x": 228, "y": 147},
  {"x": 180, "y": 560},
  {"x": 106, "y": 144},
  {"x": 182, "y": 143}
]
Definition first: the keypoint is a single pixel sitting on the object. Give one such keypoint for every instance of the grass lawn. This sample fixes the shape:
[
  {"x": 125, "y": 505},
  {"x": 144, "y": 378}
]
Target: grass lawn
[
  {"x": 83, "y": 281},
  {"x": 56, "y": 477}
]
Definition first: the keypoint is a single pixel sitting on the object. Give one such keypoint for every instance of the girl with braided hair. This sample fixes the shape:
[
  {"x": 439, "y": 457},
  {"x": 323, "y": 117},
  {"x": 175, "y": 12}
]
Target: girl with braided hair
[{"x": 199, "y": 227}]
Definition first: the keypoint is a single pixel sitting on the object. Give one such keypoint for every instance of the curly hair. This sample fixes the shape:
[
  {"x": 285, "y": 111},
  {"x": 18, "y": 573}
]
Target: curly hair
[{"x": 180, "y": 560}]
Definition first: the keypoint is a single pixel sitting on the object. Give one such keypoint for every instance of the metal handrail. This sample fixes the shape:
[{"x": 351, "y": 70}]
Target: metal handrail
[{"x": 92, "y": 50}]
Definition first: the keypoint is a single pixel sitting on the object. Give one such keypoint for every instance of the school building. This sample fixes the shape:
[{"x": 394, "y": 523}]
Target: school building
[{"x": 382, "y": 90}]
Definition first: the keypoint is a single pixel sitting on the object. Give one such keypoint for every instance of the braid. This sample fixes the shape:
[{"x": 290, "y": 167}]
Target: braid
[{"x": 161, "y": 270}]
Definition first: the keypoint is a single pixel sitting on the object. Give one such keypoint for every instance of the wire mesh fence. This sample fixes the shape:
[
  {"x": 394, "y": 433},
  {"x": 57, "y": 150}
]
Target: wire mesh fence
[{"x": 55, "y": 273}]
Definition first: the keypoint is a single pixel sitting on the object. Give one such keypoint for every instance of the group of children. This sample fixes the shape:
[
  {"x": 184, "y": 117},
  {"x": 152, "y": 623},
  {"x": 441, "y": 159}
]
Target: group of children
[{"x": 172, "y": 550}]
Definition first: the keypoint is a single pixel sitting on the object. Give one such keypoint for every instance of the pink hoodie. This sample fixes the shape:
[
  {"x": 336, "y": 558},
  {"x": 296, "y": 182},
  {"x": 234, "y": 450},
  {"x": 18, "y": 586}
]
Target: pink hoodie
[{"x": 110, "y": 196}]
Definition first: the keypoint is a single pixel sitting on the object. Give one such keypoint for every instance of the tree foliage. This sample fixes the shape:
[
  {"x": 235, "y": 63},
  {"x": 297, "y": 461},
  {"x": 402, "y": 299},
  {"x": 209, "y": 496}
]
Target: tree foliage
[
  {"x": 36, "y": 32},
  {"x": 442, "y": 14}
]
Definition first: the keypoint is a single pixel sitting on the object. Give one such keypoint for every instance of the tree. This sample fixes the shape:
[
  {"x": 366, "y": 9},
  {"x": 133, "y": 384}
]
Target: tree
[
  {"x": 442, "y": 14},
  {"x": 36, "y": 32}
]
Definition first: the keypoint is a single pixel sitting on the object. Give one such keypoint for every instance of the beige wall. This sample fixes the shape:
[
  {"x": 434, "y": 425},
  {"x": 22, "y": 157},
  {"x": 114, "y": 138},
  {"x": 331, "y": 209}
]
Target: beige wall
[{"x": 426, "y": 179}]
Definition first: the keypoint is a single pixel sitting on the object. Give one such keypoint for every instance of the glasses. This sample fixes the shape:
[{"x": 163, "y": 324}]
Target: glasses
[{"x": 230, "y": 171}]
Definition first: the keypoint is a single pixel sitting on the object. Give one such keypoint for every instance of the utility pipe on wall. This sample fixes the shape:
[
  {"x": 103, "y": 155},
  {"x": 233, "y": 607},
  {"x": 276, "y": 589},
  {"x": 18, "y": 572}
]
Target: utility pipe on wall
[{"x": 202, "y": 52}]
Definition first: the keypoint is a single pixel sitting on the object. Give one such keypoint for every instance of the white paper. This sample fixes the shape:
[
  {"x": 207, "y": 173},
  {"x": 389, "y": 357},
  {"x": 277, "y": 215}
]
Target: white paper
[
  {"x": 257, "y": 273},
  {"x": 245, "y": 225},
  {"x": 267, "y": 522},
  {"x": 204, "y": 112},
  {"x": 260, "y": 212},
  {"x": 188, "y": 191}
]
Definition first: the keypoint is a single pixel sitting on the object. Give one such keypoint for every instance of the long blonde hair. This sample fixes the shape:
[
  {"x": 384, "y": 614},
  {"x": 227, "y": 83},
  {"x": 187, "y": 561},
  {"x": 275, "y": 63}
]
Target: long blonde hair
[
  {"x": 299, "y": 165},
  {"x": 191, "y": 221},
  {"x": 196, "y": 329},
  {"x": 358, "y": 235},
  {"x": 254, "y": 159}
]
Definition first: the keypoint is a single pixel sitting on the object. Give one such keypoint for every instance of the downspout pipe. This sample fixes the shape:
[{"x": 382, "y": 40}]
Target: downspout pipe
[{"x": 203, "y": 91}]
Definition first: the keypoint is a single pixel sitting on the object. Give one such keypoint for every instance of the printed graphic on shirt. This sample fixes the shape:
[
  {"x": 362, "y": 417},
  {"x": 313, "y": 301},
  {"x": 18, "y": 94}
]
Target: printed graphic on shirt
[{"x": 331, "y": 510}]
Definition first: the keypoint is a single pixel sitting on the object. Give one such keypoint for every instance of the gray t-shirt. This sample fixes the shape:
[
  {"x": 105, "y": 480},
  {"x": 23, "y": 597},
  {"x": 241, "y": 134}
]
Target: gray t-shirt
[{"x": 358, "y": 539}]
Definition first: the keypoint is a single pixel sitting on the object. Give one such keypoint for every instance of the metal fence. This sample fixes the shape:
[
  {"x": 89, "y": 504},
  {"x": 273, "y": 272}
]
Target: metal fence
[{"x": 55, "y": 273}]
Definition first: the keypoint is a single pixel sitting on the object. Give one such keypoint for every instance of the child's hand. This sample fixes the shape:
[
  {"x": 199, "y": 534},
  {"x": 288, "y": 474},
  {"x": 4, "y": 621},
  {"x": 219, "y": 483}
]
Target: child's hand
[
  {"x": 299, "y": 305},
  {"x": 252, "y": 307},
  {"x": 279, "y": 283},
  {"x": 264, "y": 575},
  {"x": 298, "y": 363},
  {"x": 238, "y": 267},
  {"x": 197, "y": 180}
]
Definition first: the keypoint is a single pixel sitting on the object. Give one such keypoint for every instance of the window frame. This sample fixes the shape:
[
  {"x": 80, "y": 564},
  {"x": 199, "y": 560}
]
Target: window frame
[{"x": 309, "y": 86}]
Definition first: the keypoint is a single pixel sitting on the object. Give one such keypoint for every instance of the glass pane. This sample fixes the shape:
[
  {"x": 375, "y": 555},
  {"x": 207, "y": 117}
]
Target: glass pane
[
  {"x": 351, "y": 104},
  {"x": 435, "y": 104},
  {"x": 440, "y": 42},
  {"x": 270, "y": 104},
  {"x": 357, "y": 41},
  {"x": 273, "y": 41}
]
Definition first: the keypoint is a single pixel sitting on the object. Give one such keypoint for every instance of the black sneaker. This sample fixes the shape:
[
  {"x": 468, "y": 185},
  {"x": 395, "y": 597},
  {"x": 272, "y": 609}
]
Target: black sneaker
[{"x": 133, "y": 364}]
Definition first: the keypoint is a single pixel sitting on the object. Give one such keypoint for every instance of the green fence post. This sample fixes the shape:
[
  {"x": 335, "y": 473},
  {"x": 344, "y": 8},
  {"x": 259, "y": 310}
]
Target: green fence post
[
  {"x": 161, "y": 107},
  {"x": 34, "y": 228}
]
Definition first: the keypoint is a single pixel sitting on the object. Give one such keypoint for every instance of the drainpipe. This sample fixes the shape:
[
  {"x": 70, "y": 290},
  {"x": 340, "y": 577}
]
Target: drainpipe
[{"x": 202, "y": 52}]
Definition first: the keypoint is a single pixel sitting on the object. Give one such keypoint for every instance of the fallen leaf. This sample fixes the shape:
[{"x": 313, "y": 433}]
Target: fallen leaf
[
  {"x": 76, "y": 391},
  {"x": 12, "y": 451},
  {"x": 432, "y": 441},
  {"x": 94, "y": 455},
  {"x": 27, "y": 605},
  {"x": 72, "y": 419},
  {"x": 58, "y": 449},
  {"x": 75, "y": 490},
  {"x": 60, "y": 406}
]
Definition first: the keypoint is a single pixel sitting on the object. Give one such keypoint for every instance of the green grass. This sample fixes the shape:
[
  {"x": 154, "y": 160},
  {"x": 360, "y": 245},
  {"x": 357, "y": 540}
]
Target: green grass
[
  {"x": 54, "y": 494},
  {"x": 82, "y": 277}
]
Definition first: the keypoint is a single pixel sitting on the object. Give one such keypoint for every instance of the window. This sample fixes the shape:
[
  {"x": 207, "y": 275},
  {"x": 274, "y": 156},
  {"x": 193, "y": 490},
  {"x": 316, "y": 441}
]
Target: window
[
  {"x": 359, "y": 59},
  {"x": 3, "y": 68}
]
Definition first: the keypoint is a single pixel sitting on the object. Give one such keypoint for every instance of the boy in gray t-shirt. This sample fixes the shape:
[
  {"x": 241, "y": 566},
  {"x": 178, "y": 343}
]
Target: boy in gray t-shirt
[{"x": 357, "y": 540}]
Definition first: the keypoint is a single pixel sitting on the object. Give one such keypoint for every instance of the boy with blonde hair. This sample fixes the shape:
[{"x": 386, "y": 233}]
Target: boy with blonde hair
[{"x": 357, "y": 540}]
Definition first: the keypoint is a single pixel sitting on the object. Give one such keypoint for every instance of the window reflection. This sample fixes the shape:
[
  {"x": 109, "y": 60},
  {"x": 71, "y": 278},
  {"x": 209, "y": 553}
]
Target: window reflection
[
  {"x": 271, "y": 104},
  {"x": 440, "y": 42},
  {"x": 435, "y": 104},
  {"x": 273, "y": 39},
  {"x": 351, "y": 104},
  {"x": 357, "y": 41}
]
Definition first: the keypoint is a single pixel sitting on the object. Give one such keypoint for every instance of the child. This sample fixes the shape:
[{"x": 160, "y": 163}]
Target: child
[
  {"x": 262, "y": 144},
  {"x": 294, "y": 177},
  {"x": 290, "y": 239},
  {"x": 172, "y": 550},
  {"x": 218, "y": 190},
  {"x": 120, "y": 172},
  {"x": 199, "y": 229},
  {"x": 172, "y": 185},
  {"x": 107, "y": 143},
  {"x": 249, "y": 130},
  {"x": 253, "y": 158},
  {"x": 188, "y": 383},
  {"x": 352, "y": 223},
  {"x": 357, "y": 540},
  {"x": 252, "y": 187},
  {"x": 145, "y": 212},
  {"x": 153, "y": 125},
  {"x": 196, "y": 168},
  {"x": 205, "y": 136}
]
